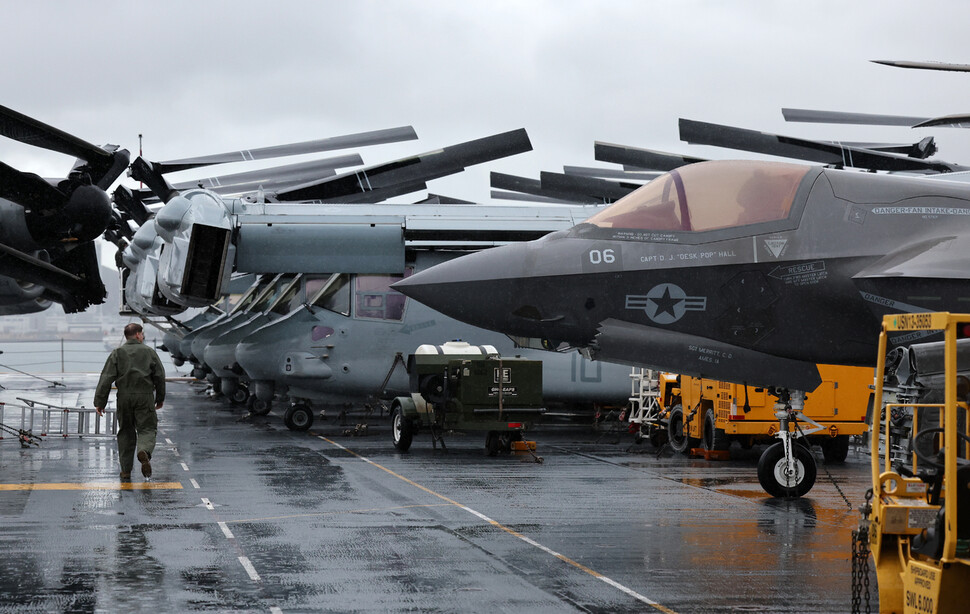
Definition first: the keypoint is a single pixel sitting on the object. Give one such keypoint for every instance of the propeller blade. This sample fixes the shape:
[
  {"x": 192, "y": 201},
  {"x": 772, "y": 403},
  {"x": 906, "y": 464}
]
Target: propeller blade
[
  {"x": 277, "y": 177},
  {"x": 841, "y": 117},
  {"x": 438, "y": 199},
  {"x": 144, "y": 171},
  {"x": 532, "y": 198},
  {"x": 532, "y": 187},
  {"x": 641, "y": 158},
  {"x": 610, "y": 173},
  {"x": 74, "y": 280},
  {"x": 103, "y": 165},
  {"x": 703, "y": 133},
  {"x": 29, "y": 190},
  {"x": 924, "y": 65},
  {"x": 361, "y": 139},
  {"x": 585, "y": 189},
  {"x": 20, "y": 127},
  {"x": 961, "y": 120},
  {"x": 359, "y": 186},
  {"x": 131, "y": 205}
]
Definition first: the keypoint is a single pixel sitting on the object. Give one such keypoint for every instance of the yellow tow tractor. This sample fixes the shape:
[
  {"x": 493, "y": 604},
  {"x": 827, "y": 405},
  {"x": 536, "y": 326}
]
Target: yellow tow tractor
[{"x": 918, "y": 523}]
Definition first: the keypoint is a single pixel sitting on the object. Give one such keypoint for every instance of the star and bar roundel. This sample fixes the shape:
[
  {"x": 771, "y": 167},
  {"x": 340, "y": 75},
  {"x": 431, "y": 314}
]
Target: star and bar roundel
[{"x": 666, "y": 303}]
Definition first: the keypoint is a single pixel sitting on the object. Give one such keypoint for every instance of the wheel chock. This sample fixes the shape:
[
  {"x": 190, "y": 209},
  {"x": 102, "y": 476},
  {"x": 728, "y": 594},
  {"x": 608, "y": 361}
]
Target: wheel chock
[{"x": 717, "y": 455}]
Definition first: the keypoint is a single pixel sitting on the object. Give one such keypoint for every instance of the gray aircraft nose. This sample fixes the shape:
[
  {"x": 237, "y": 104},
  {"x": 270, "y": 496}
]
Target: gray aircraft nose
[{"x": 479, "y": 289}]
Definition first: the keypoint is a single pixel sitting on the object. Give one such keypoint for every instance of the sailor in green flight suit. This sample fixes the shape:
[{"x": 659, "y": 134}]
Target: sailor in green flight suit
[{"x": 140, "y": 378}]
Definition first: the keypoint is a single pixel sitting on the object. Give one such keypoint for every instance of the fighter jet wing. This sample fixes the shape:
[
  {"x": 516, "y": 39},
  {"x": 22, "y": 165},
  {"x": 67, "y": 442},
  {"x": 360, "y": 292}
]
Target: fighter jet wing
[
  {"x": 917, "y": 278},
  {"x": 937, "y": 258}
]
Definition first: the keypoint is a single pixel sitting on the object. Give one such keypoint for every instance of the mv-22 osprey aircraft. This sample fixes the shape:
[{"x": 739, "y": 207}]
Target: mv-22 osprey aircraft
[{"x": 340, "y": 342}]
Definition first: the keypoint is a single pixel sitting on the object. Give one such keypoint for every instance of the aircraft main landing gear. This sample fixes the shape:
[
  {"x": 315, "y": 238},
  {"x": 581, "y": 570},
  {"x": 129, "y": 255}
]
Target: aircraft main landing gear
[
  {"x": 298, "y": 417},
  {"x": 258, "y": 407}
]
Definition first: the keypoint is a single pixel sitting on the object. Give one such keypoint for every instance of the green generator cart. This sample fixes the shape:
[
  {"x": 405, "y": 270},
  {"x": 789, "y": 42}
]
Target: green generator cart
[{"x": 463, "y": 387}]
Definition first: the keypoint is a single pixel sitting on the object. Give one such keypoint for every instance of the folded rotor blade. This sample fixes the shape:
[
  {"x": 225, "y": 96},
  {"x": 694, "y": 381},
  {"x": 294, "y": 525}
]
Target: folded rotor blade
[
  {"x": 924, "y": 65},
  {"x": 646, "y": 159},
  {"x": 741, "y": 139},
  {"x": 841, "y": 117},
  {"x": 29, "y": 190},
  {"x": 349, "y": 187},
  {"x": 361, "y": 139}
]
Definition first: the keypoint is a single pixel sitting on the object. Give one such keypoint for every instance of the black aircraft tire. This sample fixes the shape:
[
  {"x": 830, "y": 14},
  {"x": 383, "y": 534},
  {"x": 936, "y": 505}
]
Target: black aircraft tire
[
  {"x": 679, "y": 440},
  {"x": 714, "y": 438},
  {"x": 835, "y": 449},
  {"x": 401, "y": 431},
  {"x": 771, "y": 467},
  {"x": 239, "y": 396},
  {"x": 298, "y": 417},
  {"x": 257, "y": 407}
]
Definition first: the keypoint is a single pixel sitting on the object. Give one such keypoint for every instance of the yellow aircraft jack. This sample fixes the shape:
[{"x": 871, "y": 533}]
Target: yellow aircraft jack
[{"x": 919, "y": 522}]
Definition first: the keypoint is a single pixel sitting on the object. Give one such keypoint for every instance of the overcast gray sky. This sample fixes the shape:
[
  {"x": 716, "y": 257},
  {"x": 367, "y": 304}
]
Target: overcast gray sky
[{"x": 205, "y": 76}]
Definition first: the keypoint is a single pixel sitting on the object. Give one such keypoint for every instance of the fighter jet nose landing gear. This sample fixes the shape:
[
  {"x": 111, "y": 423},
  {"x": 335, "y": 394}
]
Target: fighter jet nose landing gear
[{"x": 787, "y": 468}]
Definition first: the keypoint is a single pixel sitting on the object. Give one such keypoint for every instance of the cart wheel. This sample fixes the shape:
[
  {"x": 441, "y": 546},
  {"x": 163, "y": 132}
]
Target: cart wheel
[
  {"x": 657, "y": 436},
  {"x": 298, "y": 417},
  {"x": 401, "y": 430},
  {"x": 772, "y": 475},
  {"x": 680, "y": 441},
  {"x": 714, "y": 438},
  {"x": 493, "y": 443},
  {"x": 835, "y": 449}
]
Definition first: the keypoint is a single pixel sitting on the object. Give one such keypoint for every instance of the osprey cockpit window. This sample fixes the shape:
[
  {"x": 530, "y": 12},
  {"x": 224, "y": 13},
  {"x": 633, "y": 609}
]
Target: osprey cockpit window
[
  {"x": 708, "y": 196},
  {"x": 375, "y": 299}
]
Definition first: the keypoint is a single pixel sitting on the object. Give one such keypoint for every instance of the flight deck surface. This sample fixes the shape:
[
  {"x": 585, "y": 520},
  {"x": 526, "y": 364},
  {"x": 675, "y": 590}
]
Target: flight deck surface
[{"x": 245, "y": 515}]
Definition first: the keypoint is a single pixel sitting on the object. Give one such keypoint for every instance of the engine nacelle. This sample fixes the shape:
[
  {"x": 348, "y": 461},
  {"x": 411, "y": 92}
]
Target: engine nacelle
[{"x": 196, "y": 229}]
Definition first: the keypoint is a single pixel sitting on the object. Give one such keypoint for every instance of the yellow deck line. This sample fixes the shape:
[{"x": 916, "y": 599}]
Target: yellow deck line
[{"x": 95, "y": 486}]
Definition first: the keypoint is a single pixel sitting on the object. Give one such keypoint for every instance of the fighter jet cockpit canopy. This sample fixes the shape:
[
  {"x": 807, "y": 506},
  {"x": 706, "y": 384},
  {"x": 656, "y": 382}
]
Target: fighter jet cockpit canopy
[{"x": 705, "y": 196}]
